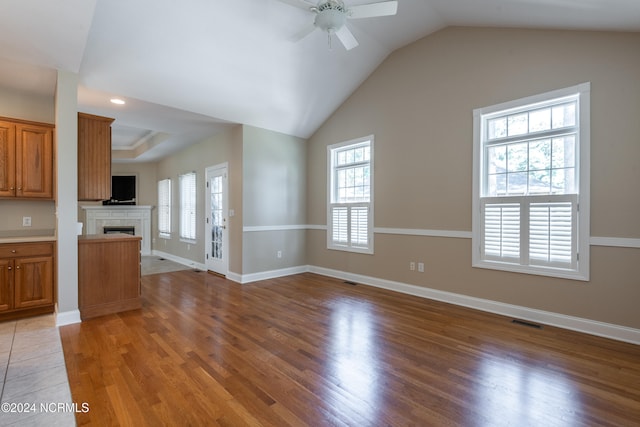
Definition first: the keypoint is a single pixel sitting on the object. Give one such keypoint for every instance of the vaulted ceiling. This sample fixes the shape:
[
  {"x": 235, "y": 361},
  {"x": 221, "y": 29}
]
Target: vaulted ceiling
[{"x": 189, "y": 69}]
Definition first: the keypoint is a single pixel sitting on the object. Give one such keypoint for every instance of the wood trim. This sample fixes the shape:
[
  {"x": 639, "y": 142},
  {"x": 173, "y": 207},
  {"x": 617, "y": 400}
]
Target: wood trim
[{"x": 27, "y": 122}]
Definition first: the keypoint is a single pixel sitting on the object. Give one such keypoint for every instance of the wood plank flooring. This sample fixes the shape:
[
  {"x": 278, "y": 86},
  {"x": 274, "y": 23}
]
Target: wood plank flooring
[{"x": 311, "y": 350}]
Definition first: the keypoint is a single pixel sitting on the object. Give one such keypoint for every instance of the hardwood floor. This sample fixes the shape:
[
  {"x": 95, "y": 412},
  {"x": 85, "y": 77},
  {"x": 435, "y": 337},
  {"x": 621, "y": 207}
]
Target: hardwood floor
[{"x": 310, "y": 350}]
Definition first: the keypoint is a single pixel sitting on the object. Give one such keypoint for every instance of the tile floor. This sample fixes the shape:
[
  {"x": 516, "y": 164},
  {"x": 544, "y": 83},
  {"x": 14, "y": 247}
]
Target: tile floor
[
  {"x": 34, "y": 376},
  {"x": 154, "y": 265}
]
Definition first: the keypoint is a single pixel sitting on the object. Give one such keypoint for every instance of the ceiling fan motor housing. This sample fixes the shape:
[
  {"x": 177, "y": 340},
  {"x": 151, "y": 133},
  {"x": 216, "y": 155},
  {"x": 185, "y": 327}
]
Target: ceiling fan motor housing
[{"x": 331, "y": 16}]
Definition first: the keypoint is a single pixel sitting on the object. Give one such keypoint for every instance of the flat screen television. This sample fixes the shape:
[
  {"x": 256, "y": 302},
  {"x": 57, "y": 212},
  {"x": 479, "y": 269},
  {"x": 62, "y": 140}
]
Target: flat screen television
[{"x": 123, "y": 190}]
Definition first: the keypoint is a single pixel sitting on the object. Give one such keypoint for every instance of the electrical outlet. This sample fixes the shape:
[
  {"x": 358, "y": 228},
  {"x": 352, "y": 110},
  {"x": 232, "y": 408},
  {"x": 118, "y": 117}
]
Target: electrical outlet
[
  {"x": 421, "y": 267},
  {"x": 279, "y": 254},
  {"x": 412, "y": 266},
  {"x": 26, "y": 221}
]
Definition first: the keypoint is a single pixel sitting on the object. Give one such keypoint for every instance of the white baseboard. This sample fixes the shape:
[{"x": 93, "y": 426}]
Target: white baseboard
[
  {"x": 67, "y": 317},
  {"x": 592, "y": 327},
  {"x": 234, "y": 277},
  {"x": 184, "y": 261},
  {"x": 264, "y": 275}
]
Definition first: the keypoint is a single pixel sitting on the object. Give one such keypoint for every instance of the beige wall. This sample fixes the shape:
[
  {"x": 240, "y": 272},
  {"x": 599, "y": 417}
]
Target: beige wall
[
  {"x": 25, "y": 106},
  {"x": 42, "y": 213},
  {"x": 419, "y": 105},
  {"x": 274, "y": 200},
  {"x": 235, "y": 199},
  {"x": 210, "y": 152}
]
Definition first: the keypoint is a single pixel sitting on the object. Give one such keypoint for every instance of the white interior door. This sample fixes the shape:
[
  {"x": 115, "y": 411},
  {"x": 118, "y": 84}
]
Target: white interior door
[{"x": 217, "y": 244}]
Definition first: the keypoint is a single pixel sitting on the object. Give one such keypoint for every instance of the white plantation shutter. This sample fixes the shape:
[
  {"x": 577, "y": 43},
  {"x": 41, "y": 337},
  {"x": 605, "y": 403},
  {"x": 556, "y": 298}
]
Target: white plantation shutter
[
  {"x": 164, "y": 207},
  {"x": 350, "y": 226},
  {"x": 536, "y": 231},
  {"x": 360, "y": 226},
  {"x": 552, "y": 234},
  {"x": 188, "y": 206},
  {"x": 502, "y": 230},
  {"x": 340, "y": 220}
]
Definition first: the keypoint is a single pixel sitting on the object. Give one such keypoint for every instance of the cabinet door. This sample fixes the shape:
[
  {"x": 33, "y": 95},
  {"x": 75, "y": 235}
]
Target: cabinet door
[
  {"x": 33, "y": 281},
  {"x": 7, "y": 159},
  {"x": 6, "y": 284},
  {"x": 94, "y": 157},
  {"x": 34, "y": 161}
]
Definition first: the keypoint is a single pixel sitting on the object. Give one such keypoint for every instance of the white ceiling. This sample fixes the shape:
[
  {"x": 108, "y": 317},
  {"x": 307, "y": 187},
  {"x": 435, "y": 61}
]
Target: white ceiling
[{"x": 189, "y": 69}]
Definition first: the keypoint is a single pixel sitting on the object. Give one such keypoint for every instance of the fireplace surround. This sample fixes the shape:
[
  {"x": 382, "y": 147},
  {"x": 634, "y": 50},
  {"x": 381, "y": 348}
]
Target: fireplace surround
[{"x": 116, "y": 216}]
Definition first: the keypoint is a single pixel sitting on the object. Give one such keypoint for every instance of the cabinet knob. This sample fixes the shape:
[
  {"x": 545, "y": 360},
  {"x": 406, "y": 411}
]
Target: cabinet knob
[
  {"x": 13, "y": 251},
  {"x": 9, "y": 268},
  {"x": 17, "y": 267}
]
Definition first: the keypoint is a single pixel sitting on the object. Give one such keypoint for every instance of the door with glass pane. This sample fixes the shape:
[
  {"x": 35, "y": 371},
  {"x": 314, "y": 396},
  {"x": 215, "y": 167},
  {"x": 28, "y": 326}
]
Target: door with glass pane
[{"x": 217, "y": 242}]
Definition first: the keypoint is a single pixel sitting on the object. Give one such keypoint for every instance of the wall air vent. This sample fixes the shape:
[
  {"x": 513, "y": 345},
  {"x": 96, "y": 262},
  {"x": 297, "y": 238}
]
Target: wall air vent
[{"x": 525, "y": 323}]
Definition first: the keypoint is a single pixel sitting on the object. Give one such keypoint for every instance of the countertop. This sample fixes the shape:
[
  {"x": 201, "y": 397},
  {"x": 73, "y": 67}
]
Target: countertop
[
  {"x": 28, "y": 236},
  {"x": 101, "y": 238}
]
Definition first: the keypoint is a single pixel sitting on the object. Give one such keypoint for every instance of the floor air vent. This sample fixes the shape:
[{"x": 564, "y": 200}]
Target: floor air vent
[{"x": 525, "y": 323}]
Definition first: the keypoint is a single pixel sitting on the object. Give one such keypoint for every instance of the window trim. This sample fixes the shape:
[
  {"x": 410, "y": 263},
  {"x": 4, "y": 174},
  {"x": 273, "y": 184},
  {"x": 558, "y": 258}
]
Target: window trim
[
  {"x": 369, "y": 249},
  {"x": 164, "y": 234},
  {"x": 183, "y": 237},
  {"x": 582, "y": 232}
]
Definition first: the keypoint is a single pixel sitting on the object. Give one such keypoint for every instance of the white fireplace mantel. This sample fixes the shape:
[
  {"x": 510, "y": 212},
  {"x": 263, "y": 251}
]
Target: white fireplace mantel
[{"x": 97, "y": 217}]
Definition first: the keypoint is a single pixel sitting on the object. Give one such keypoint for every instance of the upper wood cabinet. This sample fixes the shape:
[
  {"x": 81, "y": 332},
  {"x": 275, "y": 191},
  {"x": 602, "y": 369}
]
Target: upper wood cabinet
[
  {"x": 26, "y": 159},
  {"x": 94, "y": 157}
]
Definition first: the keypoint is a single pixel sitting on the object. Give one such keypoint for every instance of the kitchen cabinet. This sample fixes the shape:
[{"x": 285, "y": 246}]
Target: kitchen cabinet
[
  {"x": 94, "y": 157},
  {"x": 26, "y": 159},
  {"x": 108, "y": 274},
  {"x": 26, "y": 279}
]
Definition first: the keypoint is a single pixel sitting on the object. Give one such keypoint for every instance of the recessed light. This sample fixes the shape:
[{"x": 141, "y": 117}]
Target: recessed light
[{"x": 117, "y": 101}]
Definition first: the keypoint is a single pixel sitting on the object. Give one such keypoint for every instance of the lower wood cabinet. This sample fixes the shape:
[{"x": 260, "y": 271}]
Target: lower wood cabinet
[
  {"x": 26, "y": 279},
  {"x": 108, "y": 274}
]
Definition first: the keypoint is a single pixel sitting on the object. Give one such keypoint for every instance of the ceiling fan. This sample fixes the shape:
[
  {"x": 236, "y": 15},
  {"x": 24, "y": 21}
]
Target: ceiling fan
[{"x": 331, "y": 16}]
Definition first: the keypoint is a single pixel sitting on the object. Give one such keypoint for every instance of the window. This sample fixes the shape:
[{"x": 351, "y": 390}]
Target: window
[
  {"x": 350, "y": 204},
  {"x": 164, "y": 208},
  {"x": 531, "y": 185},
  {"x": 188, "y": 207}
]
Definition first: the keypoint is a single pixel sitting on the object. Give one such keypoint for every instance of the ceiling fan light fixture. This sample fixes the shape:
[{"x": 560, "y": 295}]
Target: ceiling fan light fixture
[
  {"x": 330, "y": 20},
  {"x": 331, "y": 17}
]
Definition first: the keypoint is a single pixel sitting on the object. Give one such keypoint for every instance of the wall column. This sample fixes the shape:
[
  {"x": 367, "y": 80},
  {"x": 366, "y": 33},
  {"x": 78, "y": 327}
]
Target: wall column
[{"x": 66, "y": 112}]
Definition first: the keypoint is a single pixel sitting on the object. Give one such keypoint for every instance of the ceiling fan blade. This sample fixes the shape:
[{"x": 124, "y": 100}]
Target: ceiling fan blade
[
  {"x": 302, "y": 4},
  {"x": 346, "y": 37},
  {"x": 372, "y": 10},
  {"x": 303, "y": 33}
]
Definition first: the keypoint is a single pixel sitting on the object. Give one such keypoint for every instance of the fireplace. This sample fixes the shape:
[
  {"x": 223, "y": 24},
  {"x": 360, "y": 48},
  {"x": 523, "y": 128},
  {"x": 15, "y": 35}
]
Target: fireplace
[
  {"x": 120, "y": 229},
  {"x": 138, "y": 218}
]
